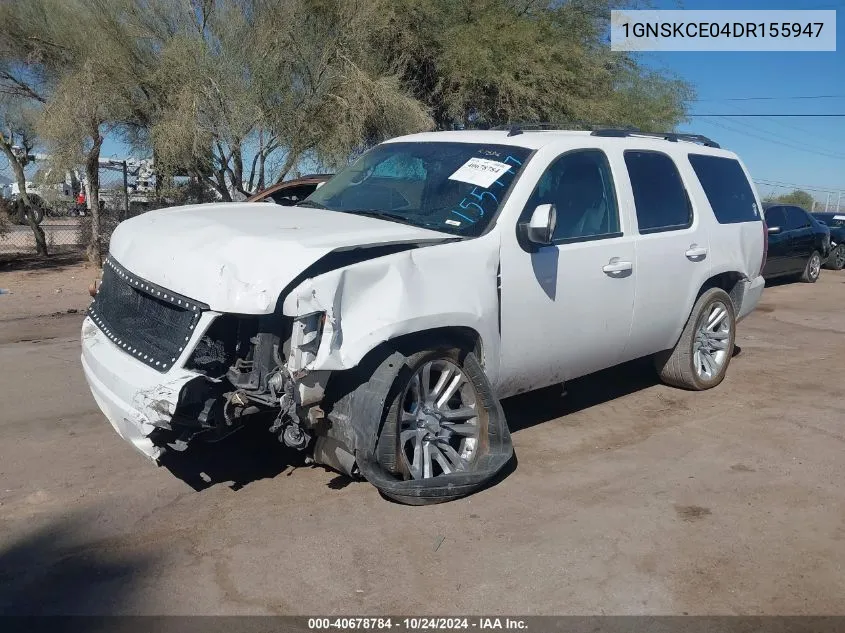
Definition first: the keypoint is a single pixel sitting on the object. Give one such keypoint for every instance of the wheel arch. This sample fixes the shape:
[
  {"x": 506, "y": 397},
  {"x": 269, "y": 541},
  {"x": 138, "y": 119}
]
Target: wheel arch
[{"x": 730, "y": 281}]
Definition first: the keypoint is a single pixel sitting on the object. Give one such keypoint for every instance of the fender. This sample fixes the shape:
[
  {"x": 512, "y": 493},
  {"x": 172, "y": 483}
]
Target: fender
[{"x": 370, "y": 302}]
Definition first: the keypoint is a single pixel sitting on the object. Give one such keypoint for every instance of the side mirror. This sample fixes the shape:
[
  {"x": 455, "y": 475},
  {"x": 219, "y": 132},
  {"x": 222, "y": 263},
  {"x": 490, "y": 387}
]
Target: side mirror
[
  {"x": 542, "y": 224},
  {"x": 773, "y": 230}
]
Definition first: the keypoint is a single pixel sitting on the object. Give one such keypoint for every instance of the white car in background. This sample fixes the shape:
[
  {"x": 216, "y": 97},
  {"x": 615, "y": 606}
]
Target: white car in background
[{"x": 378, "y": 323}]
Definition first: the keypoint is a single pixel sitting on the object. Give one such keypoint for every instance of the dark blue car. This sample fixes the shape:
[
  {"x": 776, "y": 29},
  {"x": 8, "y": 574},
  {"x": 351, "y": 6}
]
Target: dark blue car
[{"x": 836, "y": 223}]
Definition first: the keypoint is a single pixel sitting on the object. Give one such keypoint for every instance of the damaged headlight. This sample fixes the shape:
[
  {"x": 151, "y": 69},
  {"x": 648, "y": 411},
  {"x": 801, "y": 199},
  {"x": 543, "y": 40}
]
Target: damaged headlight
[{"x": 305, "y": 340}]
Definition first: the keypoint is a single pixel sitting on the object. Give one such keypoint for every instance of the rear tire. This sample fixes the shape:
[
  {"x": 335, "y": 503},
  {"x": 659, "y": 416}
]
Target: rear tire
[
  {"x": 701, "y": 356},
  {"x": 836, "y": 261},
  {"x": 812, "y": 269}
]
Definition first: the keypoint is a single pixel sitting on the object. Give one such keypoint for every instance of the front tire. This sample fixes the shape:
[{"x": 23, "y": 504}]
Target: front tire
[
  {"x": 836, "y": 261},
  {"x": 812, "y": 269},
  {"x": 701, "y": 356},
  {"x": 443, "y": 429}
]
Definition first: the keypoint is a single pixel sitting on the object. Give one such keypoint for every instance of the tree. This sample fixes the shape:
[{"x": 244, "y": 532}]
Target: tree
[
  {"x": 67, "y": 56},
  {"x": 234, "y": 81},
  {"x": 797, "y": 197},
  {"x": 17, "y": 142},
  {"x": 492, "y": 62}
]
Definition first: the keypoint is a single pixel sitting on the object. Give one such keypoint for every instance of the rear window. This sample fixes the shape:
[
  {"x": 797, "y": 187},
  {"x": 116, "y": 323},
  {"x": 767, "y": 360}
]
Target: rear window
[
  {"x": 835, "y": 221},
  {"x": 726, "y": 187},
  {"x": 659, "y": 195}
]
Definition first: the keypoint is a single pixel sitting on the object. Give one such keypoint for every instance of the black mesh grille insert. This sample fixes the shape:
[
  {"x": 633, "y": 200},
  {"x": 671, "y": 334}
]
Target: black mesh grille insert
[{"x": 147, "y": 321}]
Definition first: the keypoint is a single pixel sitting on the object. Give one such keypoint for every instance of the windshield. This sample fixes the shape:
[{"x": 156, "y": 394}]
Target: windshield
[
  {"x": 451, "y": 187},
  {"x": 831, "y": 220}
]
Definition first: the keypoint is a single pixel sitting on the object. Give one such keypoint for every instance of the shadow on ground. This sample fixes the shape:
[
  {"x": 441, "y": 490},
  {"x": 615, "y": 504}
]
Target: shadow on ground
[
  {"x": 531, "y": 409},
  {"x": 252, "y": 453},
  {"x": 54, "y": 570},
  {"x": 13, "y": 262},
  {"x": 248, "y": 455}
]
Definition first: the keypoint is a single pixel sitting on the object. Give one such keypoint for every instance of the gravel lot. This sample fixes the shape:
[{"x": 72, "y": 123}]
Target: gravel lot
[{"x": 628, "y": 496}]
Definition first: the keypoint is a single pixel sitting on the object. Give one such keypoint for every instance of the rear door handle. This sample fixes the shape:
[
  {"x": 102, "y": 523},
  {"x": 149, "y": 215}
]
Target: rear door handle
[
  {"x": 615, "y": 266},
  {"x": 696, "y": 253}
]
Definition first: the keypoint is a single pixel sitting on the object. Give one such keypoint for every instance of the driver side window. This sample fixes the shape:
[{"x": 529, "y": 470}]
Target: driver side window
[{"x": 580, "y": 186}]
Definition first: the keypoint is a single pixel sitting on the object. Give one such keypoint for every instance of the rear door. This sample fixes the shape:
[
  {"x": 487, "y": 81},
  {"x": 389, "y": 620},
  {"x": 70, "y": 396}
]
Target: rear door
[
  {"x": 672, "y": 251},
  {"x": 802, "y": 237}
]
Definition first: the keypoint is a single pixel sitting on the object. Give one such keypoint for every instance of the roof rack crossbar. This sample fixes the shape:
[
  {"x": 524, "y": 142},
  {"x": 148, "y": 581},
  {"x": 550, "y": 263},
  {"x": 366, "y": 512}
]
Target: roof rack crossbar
[{"x": 673, "y": 137}]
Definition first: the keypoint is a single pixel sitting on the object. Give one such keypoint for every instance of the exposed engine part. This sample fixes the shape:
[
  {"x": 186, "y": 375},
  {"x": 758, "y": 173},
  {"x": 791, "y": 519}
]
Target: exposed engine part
[
  {"x": 236, "y": 406},
  {"x": 295, "y": 437},
  {"x": 329, "y": 452}
]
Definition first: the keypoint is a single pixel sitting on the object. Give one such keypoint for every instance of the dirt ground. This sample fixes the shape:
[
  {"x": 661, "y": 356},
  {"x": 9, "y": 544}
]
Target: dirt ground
[{"x": 628, "y": 496}]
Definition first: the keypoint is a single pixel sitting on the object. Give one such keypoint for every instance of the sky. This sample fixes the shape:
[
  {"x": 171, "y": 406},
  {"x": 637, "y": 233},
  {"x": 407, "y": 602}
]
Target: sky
[
  {"x": 805, "y": 151},
  {"x": 796, "y": 152}
]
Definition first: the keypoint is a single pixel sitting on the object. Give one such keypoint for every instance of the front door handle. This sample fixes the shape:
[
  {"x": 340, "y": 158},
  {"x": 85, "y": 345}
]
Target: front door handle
[
  {"x": 696, "y": 253},
  {"x": 615, "y": 267}
]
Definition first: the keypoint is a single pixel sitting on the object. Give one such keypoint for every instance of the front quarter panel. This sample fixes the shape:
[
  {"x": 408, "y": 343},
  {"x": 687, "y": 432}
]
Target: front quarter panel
[{"x": 368, "y": 303}]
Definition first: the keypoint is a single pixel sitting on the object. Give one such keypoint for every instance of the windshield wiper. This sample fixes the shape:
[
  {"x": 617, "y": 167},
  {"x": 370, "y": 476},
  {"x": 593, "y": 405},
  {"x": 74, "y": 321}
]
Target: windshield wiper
[
  {"x": 312, "y": 204},
  {"x": 370, "y": 213}
]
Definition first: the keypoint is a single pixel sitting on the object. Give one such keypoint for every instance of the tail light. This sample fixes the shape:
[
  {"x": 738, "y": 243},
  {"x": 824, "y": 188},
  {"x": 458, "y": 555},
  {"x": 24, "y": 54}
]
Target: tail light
[{"x": 765, "y": 245}]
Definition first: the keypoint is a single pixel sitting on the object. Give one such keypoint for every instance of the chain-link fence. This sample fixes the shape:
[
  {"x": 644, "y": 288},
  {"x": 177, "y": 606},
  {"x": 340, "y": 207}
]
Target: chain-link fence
[{"x": 65, "y": 216}]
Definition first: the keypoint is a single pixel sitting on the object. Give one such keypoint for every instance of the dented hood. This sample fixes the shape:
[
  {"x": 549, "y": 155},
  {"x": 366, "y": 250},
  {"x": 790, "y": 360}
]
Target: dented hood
[{"x": 238, "y": 257}]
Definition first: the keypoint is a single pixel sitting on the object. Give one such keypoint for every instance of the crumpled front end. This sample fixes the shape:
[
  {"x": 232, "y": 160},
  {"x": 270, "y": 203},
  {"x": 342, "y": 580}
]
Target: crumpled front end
[
  {"x": 135, "y": 399},
  {"x": 164, "y": 368}
]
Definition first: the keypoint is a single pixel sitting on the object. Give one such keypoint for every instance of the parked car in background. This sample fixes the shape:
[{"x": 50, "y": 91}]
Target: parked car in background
[
  {"x": 798, "y": 243},
  {"x": 291, "y": 192},
  {"x": 836, "y": 224},
  {"x": 380, "y": 321}
]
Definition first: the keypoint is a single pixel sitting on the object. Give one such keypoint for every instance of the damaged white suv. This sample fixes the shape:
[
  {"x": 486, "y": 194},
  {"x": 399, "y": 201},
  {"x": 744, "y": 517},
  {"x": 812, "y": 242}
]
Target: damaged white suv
[{"x": 378, "y": 323}]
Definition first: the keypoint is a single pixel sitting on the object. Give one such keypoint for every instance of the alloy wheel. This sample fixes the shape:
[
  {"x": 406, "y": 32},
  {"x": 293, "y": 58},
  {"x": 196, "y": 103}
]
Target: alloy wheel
[
  {"x": 710, "y": 346},
  {"x": 439, "y": 429}
]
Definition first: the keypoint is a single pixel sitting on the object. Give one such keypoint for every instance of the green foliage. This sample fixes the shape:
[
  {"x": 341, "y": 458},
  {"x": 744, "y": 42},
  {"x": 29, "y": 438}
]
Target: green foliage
[
  {"x": 213, "y": 88},
  {"x": 499, "y": 61},
  {"x": 797, "y": 197}
]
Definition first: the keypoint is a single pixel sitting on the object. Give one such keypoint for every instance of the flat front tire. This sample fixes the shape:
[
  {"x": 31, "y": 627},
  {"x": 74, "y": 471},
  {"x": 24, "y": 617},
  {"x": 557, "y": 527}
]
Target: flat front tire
[
  {"x": 444, "y": 435},
  {"x": 701, "y": 356}
]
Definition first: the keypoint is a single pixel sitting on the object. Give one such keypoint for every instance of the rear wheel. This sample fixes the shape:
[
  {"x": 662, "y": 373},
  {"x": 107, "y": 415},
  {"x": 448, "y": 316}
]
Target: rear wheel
[
  {"x": 701, "y": 357},
  {"x": 812, "y": 268},
  {"x": 836, "y": 261}
]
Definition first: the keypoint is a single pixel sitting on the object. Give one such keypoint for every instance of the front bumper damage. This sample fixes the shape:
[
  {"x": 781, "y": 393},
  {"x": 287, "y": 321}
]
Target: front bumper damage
[{"x": 135, "y": 398}]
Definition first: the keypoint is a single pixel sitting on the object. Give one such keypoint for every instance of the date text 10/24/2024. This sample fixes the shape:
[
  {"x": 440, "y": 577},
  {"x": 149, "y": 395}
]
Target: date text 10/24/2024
[{"x": 417, "y": 624}]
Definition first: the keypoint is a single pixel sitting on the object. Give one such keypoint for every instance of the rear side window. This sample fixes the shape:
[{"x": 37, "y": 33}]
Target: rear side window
[
  {"x": 659, "y": 194},
  {"x": 796, "y": 218},
  {"x": 726, "y": 187}
]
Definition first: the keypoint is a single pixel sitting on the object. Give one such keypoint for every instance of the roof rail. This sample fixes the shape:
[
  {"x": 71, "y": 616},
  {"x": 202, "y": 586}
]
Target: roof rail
[
  {"x": 673, "y": 137},
  {"x": 518, "y": 128}
]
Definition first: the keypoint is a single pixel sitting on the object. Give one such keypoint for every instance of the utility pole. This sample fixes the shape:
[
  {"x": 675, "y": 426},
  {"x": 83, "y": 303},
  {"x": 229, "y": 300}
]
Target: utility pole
[
  {"x": 838, "y": 200},
  {"x": 125, "y": 192},
  {"x": 827, "y": 203}
]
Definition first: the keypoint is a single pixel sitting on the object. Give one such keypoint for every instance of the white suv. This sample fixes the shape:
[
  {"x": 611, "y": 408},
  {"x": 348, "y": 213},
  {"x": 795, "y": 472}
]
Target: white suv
[{"x": 378, "y": 323}]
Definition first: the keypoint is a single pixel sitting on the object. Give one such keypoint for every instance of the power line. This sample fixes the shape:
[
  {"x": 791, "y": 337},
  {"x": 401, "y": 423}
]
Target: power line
[
  {"x": 777, "y": 142},
  {"x": 790, "y": 126},
  {"x": 781, "y": 138},
  {"x": 771, "y": 115},
  {"x": 772, "y": 98},
  {"x": 790, "y": 185}
]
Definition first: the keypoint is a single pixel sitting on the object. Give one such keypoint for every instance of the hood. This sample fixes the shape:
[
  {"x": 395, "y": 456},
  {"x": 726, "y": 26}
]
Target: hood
[{"x": 238, "y": 257}]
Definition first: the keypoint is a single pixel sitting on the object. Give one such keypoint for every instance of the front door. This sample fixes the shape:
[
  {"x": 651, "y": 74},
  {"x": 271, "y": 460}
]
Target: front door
[
  {"x": 778, "y": 254},
  {"x": 672, "y": 252},
  {"x": 566, "y": 307},
  {"x": 802, "y": 238}
]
